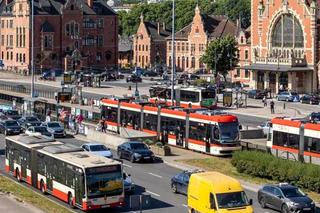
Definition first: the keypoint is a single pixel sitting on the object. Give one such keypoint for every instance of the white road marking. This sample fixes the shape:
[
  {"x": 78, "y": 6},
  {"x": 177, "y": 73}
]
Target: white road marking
[
  {"x": 155, "y": 194},
  {"x": 159, "y": 176},
  {"x": 184, "y": 205},
  {"x": 126, "y": 165}
]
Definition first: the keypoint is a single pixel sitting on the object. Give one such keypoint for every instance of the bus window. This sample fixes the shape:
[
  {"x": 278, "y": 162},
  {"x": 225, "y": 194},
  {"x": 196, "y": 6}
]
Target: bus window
[
  {"x": 207, "y": 94},
  {"x": 189, "y": 96}
]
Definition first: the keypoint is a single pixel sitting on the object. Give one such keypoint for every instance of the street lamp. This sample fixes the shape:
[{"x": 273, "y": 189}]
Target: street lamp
[
  {"x": 32, "y": 49},
  {"x": 173, "y": 53},
  {"x": 216, "y": 59},
  {"x": 136, "y": 93}
]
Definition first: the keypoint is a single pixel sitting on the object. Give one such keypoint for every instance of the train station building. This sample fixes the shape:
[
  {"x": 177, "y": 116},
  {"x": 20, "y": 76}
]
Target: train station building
[{"x": 284, "y": 45}]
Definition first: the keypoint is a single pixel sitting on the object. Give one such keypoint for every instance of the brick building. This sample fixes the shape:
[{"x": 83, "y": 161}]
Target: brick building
[
  {"x": 192, "y": 40},
  {"x": 284, "y": 45},
  {"x": 149, "y": 44},
  {"x": 68, "y": 34}
]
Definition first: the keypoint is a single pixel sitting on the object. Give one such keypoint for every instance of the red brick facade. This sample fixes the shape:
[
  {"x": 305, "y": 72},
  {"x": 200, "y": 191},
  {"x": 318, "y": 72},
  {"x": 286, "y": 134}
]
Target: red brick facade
[{"x": 90, "y": 27}]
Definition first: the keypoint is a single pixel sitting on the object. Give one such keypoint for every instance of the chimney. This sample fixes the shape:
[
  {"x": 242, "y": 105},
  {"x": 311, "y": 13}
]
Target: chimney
[
  {"x": 90, "y": 3},
  {"x": 158, "y": 28},
  {"x": 164, "y": 26}
]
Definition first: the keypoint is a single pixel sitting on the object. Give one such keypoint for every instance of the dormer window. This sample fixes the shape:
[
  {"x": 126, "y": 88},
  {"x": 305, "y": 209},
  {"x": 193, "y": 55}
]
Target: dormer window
[
  {"x": 241, "y": 40},
  {"x": 197, "y": 29}
]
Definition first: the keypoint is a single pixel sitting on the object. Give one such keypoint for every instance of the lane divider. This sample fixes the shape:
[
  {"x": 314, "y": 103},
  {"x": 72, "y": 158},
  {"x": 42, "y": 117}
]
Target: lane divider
[
  {"x": 155, "y": 175},
  {"x": 155, "y": 194}
]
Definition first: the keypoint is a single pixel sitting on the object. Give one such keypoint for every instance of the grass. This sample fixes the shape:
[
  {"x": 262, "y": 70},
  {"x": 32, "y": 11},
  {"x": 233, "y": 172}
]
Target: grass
[
  {"x": 224, "y": 166},
  {"x": 24, "y": 194}
]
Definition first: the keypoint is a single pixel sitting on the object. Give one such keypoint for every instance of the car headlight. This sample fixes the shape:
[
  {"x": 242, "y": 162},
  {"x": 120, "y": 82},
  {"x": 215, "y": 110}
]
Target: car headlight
[
  {"x": 137, "y": 155},
  {"x": 293, "y": 203},
  {"x": 312, "y": 203},
  {"x": 152, "y": 154}
]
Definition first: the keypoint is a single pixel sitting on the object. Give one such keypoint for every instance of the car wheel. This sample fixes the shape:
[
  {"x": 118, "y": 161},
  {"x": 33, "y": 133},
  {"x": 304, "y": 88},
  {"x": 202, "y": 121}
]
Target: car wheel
[
  {"x": 174, "y": 188},
  {"x": 287, "y": 99},
  {"x": 284, "y": 209},
  {"x": 132, "y": 159},
  {"x": 119, "y": 154},
  {"x": 262, "y": 203}
]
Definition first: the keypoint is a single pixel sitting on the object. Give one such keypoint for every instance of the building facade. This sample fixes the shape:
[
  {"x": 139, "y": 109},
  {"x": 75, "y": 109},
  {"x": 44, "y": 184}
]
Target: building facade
[
  {"x": 284, "y": 45},
  {"x": 68, "y": 34},
  {"x": 125, "y": 52},
  {"x": 149, "y": 44},
  {"x": 192, "y": 41}
]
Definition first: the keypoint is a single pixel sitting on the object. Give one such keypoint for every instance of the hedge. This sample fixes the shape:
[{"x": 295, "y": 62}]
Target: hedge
[{"x": 264, "y": 165}]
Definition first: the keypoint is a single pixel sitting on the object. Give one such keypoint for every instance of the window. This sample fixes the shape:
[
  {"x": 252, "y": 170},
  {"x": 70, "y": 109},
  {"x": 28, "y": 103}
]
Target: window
[
  {"x": 187, "y": 62},
  {"x": 246, "y": 54},
  {"x": 72, "y": 29},
  {"x": 187, "y": 47},
  {"x": 193, "y": 47},
  {"x": 11, "y": 24},
  {"x": 146, "y": 59},
  {"x": 48, "y": 41},
  {"x": 238, "y": 72},
  {"x": 193, "y": 62},
  {"x": 20, "y": 7},
  {"x": 17, "y": 57},
  {"x": 182, "y": 46},
  {"x": 147, "y": 47},
  {"x": 11, "y": 41},
  {"x": 2, "y": 24},
  {"x": 136, "y": 47},
  {"x": 24, "y": 58},
  {"x": 99, "y": 56},
  {"x": 285, "y": 139},
  {"x": 2, "y": 40},
  {"x": 2, "y": 55},
  {"x": 312, "y": 144},
  {"x": 170, "y": 46},
  {"x": 246, "y": 73},
  {"x": 241, "y": 40},
  {"x": 89, "y": 23},
  {"x": 287, "y": 32},
  {"x": 197, "y": 29},
  {"x": 100, "y": 40},
  {"x": 142, "y": 47},
  {"x": 89, "y": 41},
  {"x": 100, "y": 23},
  {"x": 139, "y": 47},
  {"x": 11, "y": 56},
  {"x": 178, "y": 46}
]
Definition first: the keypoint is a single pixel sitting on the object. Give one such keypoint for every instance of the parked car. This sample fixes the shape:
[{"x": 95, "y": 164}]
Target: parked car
[
  {"x": 129, "y": 186},
  {"x": 256, "y": 94},
  {"x": 135, "y": 151},
  {"x": 179, "y": 182},
  {"x": 97, "y": 149},
  {"x": 309, "y": 99},
  {"x": 37, "y": 131},
  {"x": 266, "y": 127},
  {"x": 55, "y": 128},
  {"x": 150, "y": 73},
  {"x": 134, "y": 79},
  {"x": 12, "y": 114},
  {"x": 10, "y": 127},
  {"x": 288, "y": 96},
  {"x": 285, "y": 198},
  {"x": 28, "y": 121}
]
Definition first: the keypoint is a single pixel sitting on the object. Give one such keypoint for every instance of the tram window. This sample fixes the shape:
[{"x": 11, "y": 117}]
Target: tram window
[
  {"x": 312, "y": 144},
  {"x": 189, "y": 96},
  {"x": 285, "y": 139},
  {"x": 111, "y": 114},
  {"x": 130, "y": 118},
  {"x": 216, "y": 133},
  {"x": 150, "y": 121},
  {"x": 198, "y": 131}
]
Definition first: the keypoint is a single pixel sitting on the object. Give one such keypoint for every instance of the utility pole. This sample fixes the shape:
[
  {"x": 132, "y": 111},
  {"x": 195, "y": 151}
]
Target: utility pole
[
  {"x": 173, "y": 53},
  {"x": 32, "y": 49}
]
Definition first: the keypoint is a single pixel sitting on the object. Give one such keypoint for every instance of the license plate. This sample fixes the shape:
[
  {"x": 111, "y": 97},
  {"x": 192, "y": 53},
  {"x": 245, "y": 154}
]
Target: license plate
[
  {"x": 307, "y": 209},
  {"x": 105, "y": 206}
]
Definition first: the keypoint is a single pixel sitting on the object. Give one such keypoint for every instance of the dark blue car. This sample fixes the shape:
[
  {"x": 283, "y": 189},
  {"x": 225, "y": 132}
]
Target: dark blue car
[{"x": 180, "y": 182}]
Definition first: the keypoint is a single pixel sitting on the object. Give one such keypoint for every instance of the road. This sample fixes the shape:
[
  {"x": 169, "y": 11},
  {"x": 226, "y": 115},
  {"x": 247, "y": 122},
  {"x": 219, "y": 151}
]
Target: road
[
  {"x": 153, "y": 179},
  {"x": 8, "y": 204}
]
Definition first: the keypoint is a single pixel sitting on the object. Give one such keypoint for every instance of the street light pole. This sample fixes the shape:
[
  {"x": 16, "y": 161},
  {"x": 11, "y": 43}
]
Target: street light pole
[
  {"x": 32, "y": 49},
  {"x": 173, "y": 53}
]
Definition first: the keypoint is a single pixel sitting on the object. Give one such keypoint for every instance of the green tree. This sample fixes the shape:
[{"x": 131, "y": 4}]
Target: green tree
[
  {"x": 235, "y": 9},
  {"x": 221, "y": 54}
]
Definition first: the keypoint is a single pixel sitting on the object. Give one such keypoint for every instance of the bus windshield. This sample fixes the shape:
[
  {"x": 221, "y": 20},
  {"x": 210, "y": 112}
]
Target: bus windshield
[
  {"x": 104, "y": 181},
  {"x": 232, "y": 200},
  {"x": 229, "y": 131},
  {"x": 208, "y": 94}
]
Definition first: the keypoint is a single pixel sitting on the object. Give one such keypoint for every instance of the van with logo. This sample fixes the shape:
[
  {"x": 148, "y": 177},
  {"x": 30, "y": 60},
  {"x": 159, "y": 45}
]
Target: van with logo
[{"x": 213, "y": 192}]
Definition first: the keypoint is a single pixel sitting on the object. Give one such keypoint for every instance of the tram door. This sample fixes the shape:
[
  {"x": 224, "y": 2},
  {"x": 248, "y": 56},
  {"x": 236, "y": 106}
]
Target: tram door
[{"x": 208, "y": 137}]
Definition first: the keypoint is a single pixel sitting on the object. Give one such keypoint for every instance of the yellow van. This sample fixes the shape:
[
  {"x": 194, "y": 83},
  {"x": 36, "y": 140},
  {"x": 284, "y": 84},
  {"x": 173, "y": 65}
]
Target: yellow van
[{"x": 213, "y": 192}]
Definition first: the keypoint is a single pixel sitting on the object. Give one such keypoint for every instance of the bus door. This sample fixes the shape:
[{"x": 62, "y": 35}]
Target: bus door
[
  {"x": 34, "y": 170},
  {"x": 79, "y": 187},
  {"x": 24, "y": 163}
]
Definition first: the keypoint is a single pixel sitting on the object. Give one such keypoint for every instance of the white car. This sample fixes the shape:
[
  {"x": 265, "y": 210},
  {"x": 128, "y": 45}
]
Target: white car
[
  {"x": 37, "y": 131},
  {"x": 97, "y": 149},
  {"x": 266, "y": 127}
]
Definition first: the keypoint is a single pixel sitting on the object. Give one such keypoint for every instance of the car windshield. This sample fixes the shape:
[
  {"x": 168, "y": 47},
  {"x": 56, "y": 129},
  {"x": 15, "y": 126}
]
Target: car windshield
[
  {"x": 32, "y": 119},
  {"x": 232, "y": 200},
  {"x": 104, "y": 181},
  {"x": 315, "y": 116},
  {"x": 12, "y": 112},
  {"x": 229, "y": 131},
  {"x": 40, "y": 129},
  {"x": 54, "y": 124},
  {"x": 294, "y": 93},
  {"x": 11, "y": 123},
  {"x": 97, "y": 148},
  {"x": 292, "y": 192},
  {"x": 136, "y": 146}
]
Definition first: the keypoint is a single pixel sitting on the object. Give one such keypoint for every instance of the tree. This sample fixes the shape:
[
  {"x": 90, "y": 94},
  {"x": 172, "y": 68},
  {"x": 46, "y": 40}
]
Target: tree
[
  {"x": 234, "y": 9},
  {"x": 221, "y": 54}
]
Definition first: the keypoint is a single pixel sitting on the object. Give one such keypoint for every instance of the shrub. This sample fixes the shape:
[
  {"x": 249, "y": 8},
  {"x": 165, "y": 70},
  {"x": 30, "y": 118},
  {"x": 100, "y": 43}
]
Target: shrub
[{"x": 263, "y": 165}]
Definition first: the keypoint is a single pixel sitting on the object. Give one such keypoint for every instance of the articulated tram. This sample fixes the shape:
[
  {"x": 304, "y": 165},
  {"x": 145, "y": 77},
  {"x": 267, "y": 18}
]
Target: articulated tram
[
  {"x": 211, "y": 134},
  {"x": 194, "y": 97}
]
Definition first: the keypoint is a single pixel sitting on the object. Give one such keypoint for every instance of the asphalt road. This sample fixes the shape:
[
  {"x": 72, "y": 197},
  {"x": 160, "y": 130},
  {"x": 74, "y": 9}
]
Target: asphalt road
[
  {"x": 9, "y": 205},
  {"x": 153, "y": 179}
]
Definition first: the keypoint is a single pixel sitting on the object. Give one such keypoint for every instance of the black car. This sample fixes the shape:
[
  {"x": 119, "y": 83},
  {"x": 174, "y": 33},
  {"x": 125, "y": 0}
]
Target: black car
[
  {"x": 134, "y": 78},
  {"x": 27, "y": 121},
  {"x": 285, "y": 198},
  {"x": 309, "y": 99},
  {"x": 314, "y": 117},
  {"x": 256, "y": 94},
  {"x": 150, "y": 73},
  {"x": 135, "y": 151},
  {"x": 179, "y": 182},
  {"x": 12, "y": 114},
  {"x": 10, "y": 127}
]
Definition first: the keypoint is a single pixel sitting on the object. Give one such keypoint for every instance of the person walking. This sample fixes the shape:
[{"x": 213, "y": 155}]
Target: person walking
[
  {"x": 272, "y": 106},
  {"x": 103, "y": 125},
  {"x": 264, "y": 100}
]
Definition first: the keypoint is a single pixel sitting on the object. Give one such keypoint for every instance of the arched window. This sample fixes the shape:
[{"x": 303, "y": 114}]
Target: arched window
[
  {"x": 193, "y": 62},
  {"x": 287, "y": 32}
]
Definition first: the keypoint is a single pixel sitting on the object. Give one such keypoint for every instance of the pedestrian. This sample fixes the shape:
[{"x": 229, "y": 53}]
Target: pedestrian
[
  {"x": 103, "y": 125},
  {"x": 272, "y": 106},
  {"x": 48, "y": 117},
  {"x": 264, "y": 100}
]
